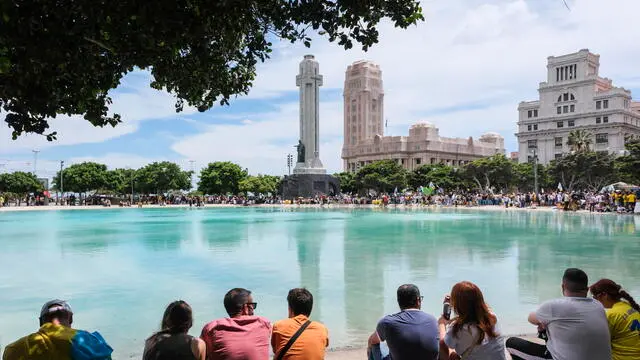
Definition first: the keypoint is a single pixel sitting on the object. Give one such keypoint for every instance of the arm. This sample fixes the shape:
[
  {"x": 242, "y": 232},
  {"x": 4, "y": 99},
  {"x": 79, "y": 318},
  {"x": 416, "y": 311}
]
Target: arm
[
  {"x": 199, "y": 349},
  {"x": 533, "y": 319},
  {"x": 445, "y": 353},
  {"x": 374, "y": 339}
]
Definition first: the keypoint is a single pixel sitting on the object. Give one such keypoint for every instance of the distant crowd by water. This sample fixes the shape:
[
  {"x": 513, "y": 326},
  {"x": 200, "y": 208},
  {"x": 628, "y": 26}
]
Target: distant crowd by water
[{"x": 605, "y": 326}]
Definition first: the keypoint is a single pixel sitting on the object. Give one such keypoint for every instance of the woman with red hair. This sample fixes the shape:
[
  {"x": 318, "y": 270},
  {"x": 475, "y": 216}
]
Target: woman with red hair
[
  {"x": 472, "y": 334},
  {"x": 623, "y": 316}
]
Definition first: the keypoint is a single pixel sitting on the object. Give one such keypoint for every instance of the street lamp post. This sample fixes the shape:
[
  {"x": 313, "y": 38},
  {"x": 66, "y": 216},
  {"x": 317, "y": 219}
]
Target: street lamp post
[
  {"x": 535, "y": 170},
  {"x": 61, "y": 182}
]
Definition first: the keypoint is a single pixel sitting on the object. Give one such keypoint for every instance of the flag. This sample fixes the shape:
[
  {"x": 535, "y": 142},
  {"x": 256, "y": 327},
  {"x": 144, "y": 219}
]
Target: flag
[
  {"x": 395, "y": 191},
  {"x": 559, "y": 187}
]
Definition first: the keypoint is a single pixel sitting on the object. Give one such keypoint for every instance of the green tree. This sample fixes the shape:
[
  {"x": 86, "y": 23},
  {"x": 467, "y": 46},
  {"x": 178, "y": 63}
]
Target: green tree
[
  {"x": 64, "y": 58},
  {"x": 628, "y": 166},
  {"x": 261, "y": 184},
  {"x": 583, "y": 170},
  {"x": 222, "y": 177},
  {"x": 580, "y": 140},
  {"x": 82, "y": 178},
  {"x": 494, "y": 172},
  {"x": 381, "y": 176},
  {"x": 523, "y": 177},
  {"x": 160, "y": 177},
  {"x": 347, "y": 182},
  {"x": 441, "y": 175},
  {"x": 120, "y": 181},
  {"x": 19, "y": 183}
]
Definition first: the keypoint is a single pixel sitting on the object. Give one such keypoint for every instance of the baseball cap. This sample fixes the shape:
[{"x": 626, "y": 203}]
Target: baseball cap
[{"x": 54, "y": 306}]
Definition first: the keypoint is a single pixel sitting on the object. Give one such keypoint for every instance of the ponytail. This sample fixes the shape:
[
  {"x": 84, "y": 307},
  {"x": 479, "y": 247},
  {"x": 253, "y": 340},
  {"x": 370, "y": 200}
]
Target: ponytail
[{"x": 625, "y": 295}]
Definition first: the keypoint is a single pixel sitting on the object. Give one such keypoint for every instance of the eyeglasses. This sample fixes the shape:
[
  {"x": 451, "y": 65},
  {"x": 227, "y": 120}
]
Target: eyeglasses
[{"x": 253, "y": 305}]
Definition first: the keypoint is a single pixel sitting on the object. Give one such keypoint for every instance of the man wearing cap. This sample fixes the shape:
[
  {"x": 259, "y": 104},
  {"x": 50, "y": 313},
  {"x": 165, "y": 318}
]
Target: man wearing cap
[
  {"x": 56, "y": 340},
  {"x": 576, "y": 326}
]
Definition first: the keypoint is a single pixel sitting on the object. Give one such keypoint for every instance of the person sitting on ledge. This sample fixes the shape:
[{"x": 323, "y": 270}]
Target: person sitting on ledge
[
  {"x": 623, "y": 315},
  {"x": 242, "y": 335},
  {"x": 409, "y": 334},
  {"x": 576, "y": 326},
  {"x": 56, "y": 340},
  {"x": 172, "y": 342},
  {"x": 473, "y": 334},
  {"x": 313, "y": 337}
]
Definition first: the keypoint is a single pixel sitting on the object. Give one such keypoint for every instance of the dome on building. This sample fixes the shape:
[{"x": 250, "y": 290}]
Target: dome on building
[
  {"x": 423, "y": 124},
  {"x": 491, "y": 135}
]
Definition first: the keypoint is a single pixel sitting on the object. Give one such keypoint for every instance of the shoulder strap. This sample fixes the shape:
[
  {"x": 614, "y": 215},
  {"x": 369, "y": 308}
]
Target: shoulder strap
[{"x": 292, "y": 340}]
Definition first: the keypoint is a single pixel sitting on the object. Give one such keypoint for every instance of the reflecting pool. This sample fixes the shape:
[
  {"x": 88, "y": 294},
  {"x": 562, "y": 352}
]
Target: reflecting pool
[{"x": 119, "y": 268}]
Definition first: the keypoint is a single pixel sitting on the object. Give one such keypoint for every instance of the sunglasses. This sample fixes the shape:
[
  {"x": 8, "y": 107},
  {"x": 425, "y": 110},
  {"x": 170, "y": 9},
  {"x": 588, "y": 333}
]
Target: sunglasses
[{"x": 253, "y": 305}]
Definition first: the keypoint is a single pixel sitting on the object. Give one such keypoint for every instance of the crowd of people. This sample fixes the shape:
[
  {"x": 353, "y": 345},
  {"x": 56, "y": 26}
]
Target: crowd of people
[{"x": 605, "y": 326}]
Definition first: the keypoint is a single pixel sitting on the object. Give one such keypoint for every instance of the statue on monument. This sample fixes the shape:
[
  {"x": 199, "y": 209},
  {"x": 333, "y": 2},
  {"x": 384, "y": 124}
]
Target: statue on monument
[{"x": 300, "y": 147}]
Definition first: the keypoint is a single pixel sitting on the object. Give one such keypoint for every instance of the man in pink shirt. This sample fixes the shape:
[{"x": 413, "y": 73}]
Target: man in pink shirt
[{"x": 241, "y": 336}]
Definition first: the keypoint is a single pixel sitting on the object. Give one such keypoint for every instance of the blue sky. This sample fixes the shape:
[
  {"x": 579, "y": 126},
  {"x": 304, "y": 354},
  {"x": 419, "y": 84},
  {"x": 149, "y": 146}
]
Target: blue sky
[{"x": 465, "y": 69}]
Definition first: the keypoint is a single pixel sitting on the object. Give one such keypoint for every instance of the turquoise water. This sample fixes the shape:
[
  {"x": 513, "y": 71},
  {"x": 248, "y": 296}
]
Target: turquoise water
[{"x": 119, "y": 268}]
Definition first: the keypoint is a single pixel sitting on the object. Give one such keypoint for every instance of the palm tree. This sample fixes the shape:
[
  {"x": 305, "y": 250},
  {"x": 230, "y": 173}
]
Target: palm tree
[{"x": 579, "y": 140}]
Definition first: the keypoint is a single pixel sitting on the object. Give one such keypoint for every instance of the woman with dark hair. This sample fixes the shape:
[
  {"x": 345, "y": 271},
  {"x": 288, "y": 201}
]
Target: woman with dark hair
[
  {"x": 472, "y": 334},
  {"x": 623, "y": 316},
  {"x": 172, "y": 342}
]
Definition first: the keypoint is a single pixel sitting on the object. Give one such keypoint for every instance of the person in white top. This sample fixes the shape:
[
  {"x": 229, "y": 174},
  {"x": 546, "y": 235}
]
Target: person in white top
[
  {"x": 575, "y": 325},
  {"x": 472, "y": 334}
]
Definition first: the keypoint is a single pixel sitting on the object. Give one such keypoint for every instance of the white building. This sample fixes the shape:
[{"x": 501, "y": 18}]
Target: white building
[
  {"x": 364, "y": 140},
  {"x": 575, "y": 97}
]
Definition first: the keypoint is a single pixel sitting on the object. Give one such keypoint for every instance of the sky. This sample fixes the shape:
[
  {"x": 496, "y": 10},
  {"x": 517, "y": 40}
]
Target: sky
[{"x": 464, "y": 69}]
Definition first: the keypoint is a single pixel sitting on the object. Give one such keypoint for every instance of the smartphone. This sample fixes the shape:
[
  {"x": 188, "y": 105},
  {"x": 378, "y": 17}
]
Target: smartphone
[{"x": 446, "y": 311}]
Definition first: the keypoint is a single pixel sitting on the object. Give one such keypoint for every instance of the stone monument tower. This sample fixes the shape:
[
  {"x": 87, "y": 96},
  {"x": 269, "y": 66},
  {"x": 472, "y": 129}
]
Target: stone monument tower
[
  {"x": 309, "y": 81},
  {"x": 309, "y": 177}
]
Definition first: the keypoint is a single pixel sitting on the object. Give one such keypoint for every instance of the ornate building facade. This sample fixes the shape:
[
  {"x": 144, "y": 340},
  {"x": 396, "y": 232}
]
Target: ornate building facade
[
  {"x": 364, "y": 140},
  {"x": 575, "y": 97}
]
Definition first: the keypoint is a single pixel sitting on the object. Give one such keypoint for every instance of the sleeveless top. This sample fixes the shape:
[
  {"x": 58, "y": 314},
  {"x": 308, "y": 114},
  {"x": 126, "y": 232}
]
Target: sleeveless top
[{"x": 164, "y": 346}]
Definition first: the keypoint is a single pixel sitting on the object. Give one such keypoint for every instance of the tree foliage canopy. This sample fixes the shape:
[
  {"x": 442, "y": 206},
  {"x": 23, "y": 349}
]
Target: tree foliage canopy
[
  {"x": 83, "y": 177},
  {"x": 160, "y": 177},
  {"x": 222, "y": 177},
  {"x": 20, "y": 183},
  {"x": 261, "y": 184},
  {"x": 382, "y": 176},
  {"x": 63, "y": 57},
  {"x": 489, "y": 173}
]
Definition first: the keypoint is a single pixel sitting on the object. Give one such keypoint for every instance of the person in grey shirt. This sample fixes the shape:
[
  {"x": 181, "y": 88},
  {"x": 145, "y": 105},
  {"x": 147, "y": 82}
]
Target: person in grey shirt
[{"x": 576, "y": 326}]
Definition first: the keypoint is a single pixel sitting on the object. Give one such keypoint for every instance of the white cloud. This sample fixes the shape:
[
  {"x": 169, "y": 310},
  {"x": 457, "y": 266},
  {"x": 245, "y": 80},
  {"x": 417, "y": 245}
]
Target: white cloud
[
  {"x": 262, "y": 143},
  {"x": 135, "y": 101},
  {"x": 474, "y": 52}
]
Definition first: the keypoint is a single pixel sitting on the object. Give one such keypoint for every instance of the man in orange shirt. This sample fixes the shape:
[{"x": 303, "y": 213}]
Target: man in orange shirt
[{"x": 313, "y": 336}]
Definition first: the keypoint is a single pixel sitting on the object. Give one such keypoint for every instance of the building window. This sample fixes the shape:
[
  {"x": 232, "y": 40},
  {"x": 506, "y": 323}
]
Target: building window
[
  {"x": 572, "y": 108},
  {"x": 418, "y": 161},
  {"x": 565, "y": 109},
  {"x": 605, "y": 119},
  {"x": 605, "y": 104},
  {"x": 529, "y": 114},
  {"x": 558, "y": 156},
  {"x": 535, "y": 113},
  {"x": 532, "y": 144},
  {"x": 565, "y": 97},
  {"x": 572, "y": 123},
  {"x": 535, "y": 126},
  {"x": 598, "y": 120},
  {"x": 560, "y": 124},
  {"x": 433, "y": 160},
  {"x": 626, "y": 104},
  {"x": 602, "y": 138},
  {"x": 528, "y": 127},
  {"x": 559, "y": 109},
  {"x": 558, "y": 141},
  {"x": 598, "y": 105}
]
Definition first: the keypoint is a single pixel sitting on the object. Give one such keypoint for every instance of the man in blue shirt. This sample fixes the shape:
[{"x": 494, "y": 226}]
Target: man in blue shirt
[{"x": 410, "y": 333}]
